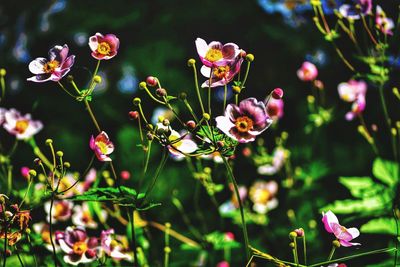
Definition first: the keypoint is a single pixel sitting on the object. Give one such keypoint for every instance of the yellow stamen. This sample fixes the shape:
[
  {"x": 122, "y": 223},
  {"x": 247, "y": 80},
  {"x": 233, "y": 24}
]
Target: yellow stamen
[
  {"x": 213, "y": 55},
  {"x": 50, "y": 66},
  {"x": 21, "y": 126},
  {"x": 221, "y": 72},
  {"x": 104, "y": 48},
  {"x": 244, "y": 124},
  {"x": 79, "y": 248}
]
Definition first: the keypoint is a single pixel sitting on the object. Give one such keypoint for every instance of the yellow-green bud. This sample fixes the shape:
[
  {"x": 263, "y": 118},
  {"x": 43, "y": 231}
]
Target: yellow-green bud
[
  {"x": 3, "y": 72},
  {"x": 182, "y": 96},
  {"x": 137, "y": 101},
  {"x": 70, "y": 78},
  {"x": 207, "y": 170},
  {"x": 250, "y": 57},
  {"x": 168, "y": 225},
  {"x": 97, "y": 79},
  {"x": 206, "y": 116},
  {"x": 292, "y": 235},
  {"x": 60, "y": 153},
  {"x": 167, "y": 250},
  {"x": 336, "y": 243},
  {"x": 150, "y": 126},
  {"x": 310, "y": 99},
  {"x": 142, "y": 85},
  {"x": 49, "y": 141},
  {"x": 28, "y": 231},
  {"x": 32, "y": 173},
  {"x": 236, "y": 89},
  {"x": 149, "y": 136},
  {"x": 291, "y": 244},
  {"x": 191, "y": 62},
  {"x": 67, "y": 164}
]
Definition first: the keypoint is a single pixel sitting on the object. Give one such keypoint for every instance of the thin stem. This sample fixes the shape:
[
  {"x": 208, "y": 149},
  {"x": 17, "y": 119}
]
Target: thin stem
[
  {"x": 26, "y": 192},
  {"x": 19, "y": 257},
  {"x": 245, "y": 76},
  {"x": 131, "y": 218},
  {"x": 331, "y": 253},
  {"x": 88, "y": 108},
  {"x": 235, "y": 186},
  {"x": 51, "y": 229},
  {"x": 95, "y": 73},
  {"x": 65, "y": 90},
  {"x": 5, "y": 236},
  {"x": 191, "y": 110},
  {"x": 384, "y": 107},
  {"x": 167, "y": 249},
  {"x": 340, "y": 54},
  {"x": 295, "y": 252},
  {"x": 225, "y": 95},
  {"x": 3, "y": 88},
  {"x": 175, "y": 235},
  {"x": 9, "y": 179},
  {"x": 368, "y": 30},
  {"x": 304, "y": 249},
  {"x": 196, "y": 83}
]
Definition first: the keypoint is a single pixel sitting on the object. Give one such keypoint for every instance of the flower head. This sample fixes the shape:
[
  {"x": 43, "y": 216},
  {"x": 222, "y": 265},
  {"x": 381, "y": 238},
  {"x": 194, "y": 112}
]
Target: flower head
[
  {"x": 83, "y": 217},
  {"x": 383, "y": 23},
  {"x": 307, "y": 72},
  {"x": 221, "y": 75},
  {"x": 77, "y": 245},
  {"x": 216, "y": 54},
  {"x": 351, "y": 12},
  {"x": 244, "y": 122},
  {"x": 180, "y": 144},
  {"x": 278, "y": 160},
  {"x": 112, "y": 247},
  {"x": 61, "y": 210},
  {"x": 23, "y": 127},
  {"x": 353, "y": 91},
  {"x": 263, "y": 196},
  {"x": 344, "y": 235},
  {"x": 102, "y": 146},
  {"x": 104, "y": 47},
  {"x": 54, "y": 68}
]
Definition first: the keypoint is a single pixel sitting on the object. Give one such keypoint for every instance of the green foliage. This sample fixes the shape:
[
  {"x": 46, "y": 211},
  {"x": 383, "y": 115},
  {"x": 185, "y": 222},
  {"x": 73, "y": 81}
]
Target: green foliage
[{"x": 215, "y": 135}]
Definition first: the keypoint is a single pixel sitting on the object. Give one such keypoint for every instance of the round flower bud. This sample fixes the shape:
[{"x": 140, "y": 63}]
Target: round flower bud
[
  {"x": 243, "y": 54},
  {"x": 137, "y": 101},
  {"x": 168, "y": 225},
  {"x": 250, "y": 57},
  {"x": 167, "y": 250},
  {"x": 60, "y": 153},
  {"x": 161, "y": 92},
  {"x": 70, "y": 78},
  {"x": 67, "y": 164},
  {"x": 32, "y": 173},
  {"x": 191, "y": 62},
  {"x": 142, "y": 85},
  {"x": 318, "y": 84},
  {"x": 149, "y": 136},
  {"x": 90, "y": 253},
  {"x": 292, "y": 235},
  {"x": 125, "y": 175},
  {"x": 37, "y": 161},
  {"x": 3, "y": 72},
  {"x": 236, "y": 89},
  {"x": 336, "y": 243},
  {"x": 97, "y": 79},
  {"x": 299, "y": 232},
  {"x": 246, "y": 152},
  {"x": 206, "y": 116},
  {"x": 207, "y": 170},
  {"x": 133, "y": 115},
  {"x": 277, "y": 93},
  {"x": 374, "y": 127},
  {"x": 150, "y": 126},
  {"x": 220, "y": 144},
  {"x": 28, "y": 231},
  {"x": 165, "y": 122},
  {"x": 191, "y": 125},
  {"x": 182, "y": 96},
  {"x": 49, "y": 141},
  {"x": 291, "y": 244},
  {"x": 151, "y": 81}
]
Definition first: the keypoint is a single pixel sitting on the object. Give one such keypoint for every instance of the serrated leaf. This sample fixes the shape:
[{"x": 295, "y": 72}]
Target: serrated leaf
[
  {"x": 349, "y": 206},
  {"x": 380, "y": 226},
  {"x": 386, "y": 171},
  {"x": 359, "y": 186}
]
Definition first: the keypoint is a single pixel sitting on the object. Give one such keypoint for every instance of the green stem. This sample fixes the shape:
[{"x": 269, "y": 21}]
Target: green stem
[
  {"x": 131, "y": 218},
  {"x": 88, "y": 108},
  {"x": 9, "y": 179},
  {"x": 3, "y": 88},
  {"x": 19, "y": 257},
  {"x": 304, "y": 249},
  {"x": 225, "y": 95},
  {"x": 196, "y": 83},
  {"x": 295, "y": 252},
  {"x": 65, "y": 90},
  {"x": 384, "y": 107},
  {"x": 235, "y": 186},
  {"x": 95, "y": 73},
  {"x": 245, "y": 75},
  {"x": 331, "y": 253},
  {"x": 51, "y": 229},
  {"x": 167, "y": 249}
]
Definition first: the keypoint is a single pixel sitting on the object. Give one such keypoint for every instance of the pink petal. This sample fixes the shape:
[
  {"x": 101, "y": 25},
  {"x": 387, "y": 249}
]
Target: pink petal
[
  {"x": 93, "y": 43},
  {"x": 328, "y": 219},
  {"x": 201, "y": 47}
]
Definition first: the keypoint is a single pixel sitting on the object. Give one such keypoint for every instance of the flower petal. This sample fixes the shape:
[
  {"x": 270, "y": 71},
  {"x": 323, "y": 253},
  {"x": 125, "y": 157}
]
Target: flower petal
[
  {"x": 36, "y": 66},
  {"x": 328, "y": 219},
  {"x": 59, "y": 53}
]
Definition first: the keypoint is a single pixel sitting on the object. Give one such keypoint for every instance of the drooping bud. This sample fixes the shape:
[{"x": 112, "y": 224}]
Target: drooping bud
[
  {"x": 161, "y": 92},
  {"x": 182, "y": 96},
  {"x": 336, "y": 243},
  {"x": 250, "y": 57},
  {"x": 137, "y": 101},
  {"x": 191, "y": 124},
  {"x": 67, "y": 164},
  {"x": 32, "y": 173},
  {"x": 3, "y": 72},
  {"x": 97, "y": 79},
  {"x": 60, "y": 153},
  {"x": 151, "y": 81},
  {"x": 142, "y": 85},
  {"x": 292, "y": 235},
  {"x": 236, "y": 89},
  {"x": 206, "y": 116},
  {"x": 70, "y": 78},
  {"x": 149, "y": 136},
  {"x": 133, "y": 115},
  {"x": 299, "y": 232},
  {"x": 277, "y": 93},
  {"x": 191, "y": 62},
  {"x": 49, "y": 141}
]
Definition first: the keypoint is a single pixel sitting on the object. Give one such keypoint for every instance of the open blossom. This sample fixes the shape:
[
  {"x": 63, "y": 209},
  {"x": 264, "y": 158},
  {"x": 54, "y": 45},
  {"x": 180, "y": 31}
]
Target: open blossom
[
  {"x": 233, "y": 203},
  {"x": 43, "y": 230},
  {"x": 307, "y": 72},
  {"x": 103, "y": 47},
  {"x": 244, "y": 122},
  {"x": 112, "y": 247},
  {"x": 263, "y": 196},
  {"x": 180, "y": 145},
  {"x": 221, "y": 75},
  {"x": 353, "y": 91},
  {"x": 79, "y": 187},
  {"x": 54, "y": 68},
  {"x": 102, "y": 146},
  {"x": 351, "y": 12},
  {"x": 216, "y": 54},
  {"x": 22, "y": 126},
  {"x": 61, "y": 210},
  {"x": 83, "y": 217},
  {"x": 79, "y": 248},
  {"x": 344, "y": 235},
  {"x": 383, "y": 23},
  {"x": 278, "y": 160}
]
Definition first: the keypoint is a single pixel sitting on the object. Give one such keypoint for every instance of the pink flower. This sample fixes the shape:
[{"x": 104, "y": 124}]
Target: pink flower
[
  {"x": 233, "y": 203},
  {"x": 223, "y": 264},
  {"x": 307, "y": 72},
  {"x": 275, "y": 108},
  {"x": 216, "y": 54},
  {"x": 102, "y": 146},
  {"x": 2, "y": 113},
  {"x": 351, "y": 12},
  {"x": 351, "y": 90},
  {"x": 77, "y": 245},
  {"x": 244, "y": 122},
  {"x": 23, "y": 127},
  {"x": 25, "y": 172},
  {"x": 104, "y": 47},
  {"x": 343, "y": 235},
  {"x": 83, "y": 216},
  {"x": 263, "y": 196},
  {"x": 112, "y": 247},
  {"x": 356, "y": 109},
  {"x": 278, "y": 160},
  {"x": 61, "y": 210},
  {"x": 221, "y": 75},
  {"x": 383, "y": 23},
  {"x": 54, "y": 68}
]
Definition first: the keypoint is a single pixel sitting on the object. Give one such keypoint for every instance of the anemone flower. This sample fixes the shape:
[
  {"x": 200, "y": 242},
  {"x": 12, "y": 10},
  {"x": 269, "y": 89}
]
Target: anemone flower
[
  {"x": 112, "y": 247},
  {"x": 307, "y": 72},
  {"x": 278, "y": 160},
  {"x": 351, "y": 12},
  {"x": 263, "y": 196},
  {"x": 83, "y": 217},
  {"x": 61, "y": 210},
  {"x": 383, "y": 23},
  {"x": 102, "y": 146},
  {"x": 357, "y": 108},
  {"x": 104, "y": 47},
  {"x": 79, "y": 248},
  {"x": 344, "y": 235},
  {"x": 179, "y": 145},
  {"x": 351, "y": 90},
  {"x": 22, "y": 126},
  {"x": 216, "y": 54},
  {"x": 54, "y": 68},
  {"x": 221, "y": 75},
  {"x": 244, "y": 122}
]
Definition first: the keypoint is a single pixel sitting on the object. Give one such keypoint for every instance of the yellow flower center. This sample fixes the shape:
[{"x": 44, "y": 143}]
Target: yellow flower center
[
  {"x": 50, "y": 66},
  {"x": 86, "y": 217},
  {"x": 263, "y": 196},
  {"x": 79, "y": 248},
  {"x": 59, "y": 209},
  {"x": 21, "y": 126},
  {"x": 173, "y": 139},
  {"x": 244, "y": 124},
  {"x": 213, "y": 55},
  {"x": 221, "y": 72},
  {"x": 46, "y": 236},
  {"x": 104, "y": 48},
  {"x": 102, "y": 146}
]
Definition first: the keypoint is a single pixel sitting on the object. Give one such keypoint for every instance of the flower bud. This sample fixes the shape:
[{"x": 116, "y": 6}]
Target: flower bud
[
  {"x": 250, "y": 57},
  {"x": 374, "y": 127},
  {"x": 3, "y": 72},
  {"x": 246, "y": 152},
  {"x": 60, "y": 153},
  {"x": 220, "y": 144},
  {"x": 125, "y": 175},
  {"x": 161, "y": 92},
  {"x": 182, "y": 96},
  {"x": 207, "y": 170},
  {"x": 242, "y": 54},
  {"x": 149, "y": 136},
  {"x": 277, "y": 93},
  {"x": 191, "y": 124},
  {"x": 236, "y": 89},
  {"x": 206, "y": 116},
  {"x": 165, "y": 122},
  {"x": 49, "y": 141},
  {"x": 150, "y": 127},
  {"x": 292, "y": 235},
  {"x": 299, "y": 232},
  {"x": 67, "y": 164},
  {"x": 336, "y": 243},
  {"x": 310, "y": 99},
  {"x": 191, "y": 62},
  {"x": 167, "y": 250},
  {"x": 90, "y": 253},
  {"x": 319, "y": 84},
  {"x": 291, "y": 244},
  {"x": 133, "y": 115},
  {"x": 137, "y": 101},
  {"x": 70, "y": 78},
  {"x": 151, "y": 81},
  {"x": 142, "y": 85},
  {"x": 37, "y": 161},
  {"x": 97, "y": 79},
  {"x": 32, "y": 173}
]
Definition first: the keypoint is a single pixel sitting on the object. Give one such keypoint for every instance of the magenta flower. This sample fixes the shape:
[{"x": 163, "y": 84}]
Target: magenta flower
[
  {"x": 22, "y": 126},
  {"x": 353, "y": 91},
  {"x": 54, "y": 68},
  {"x": 244, "y": 122},
  {"x": 383, "y": 23},
  {"x": 307, "y": 72},
  {"x": 112, "y": 247},
  {"x": 102, "y": 146},
  {"x": 351, "y": 12},
  {"x": 221, "y": 75},
  {"x": 343, "y": 235},
  {"x": 104, "y": 47},
  {"x": 216, "y": 54},
  {"x": 275, "y": 108},
  {"x": 77, "y": 245}
]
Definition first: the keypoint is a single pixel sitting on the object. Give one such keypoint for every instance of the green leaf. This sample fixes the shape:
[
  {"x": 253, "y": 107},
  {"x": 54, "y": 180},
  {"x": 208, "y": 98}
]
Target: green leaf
[
  {"x": 386, "y": 171},
  {"x": 380, "y": 226},
  {"x": 169, "y": 97},
  {"x": 359, "y": 186},
  {"x": 348, "y": 206},
  {"x": 220, "y": 241}
]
